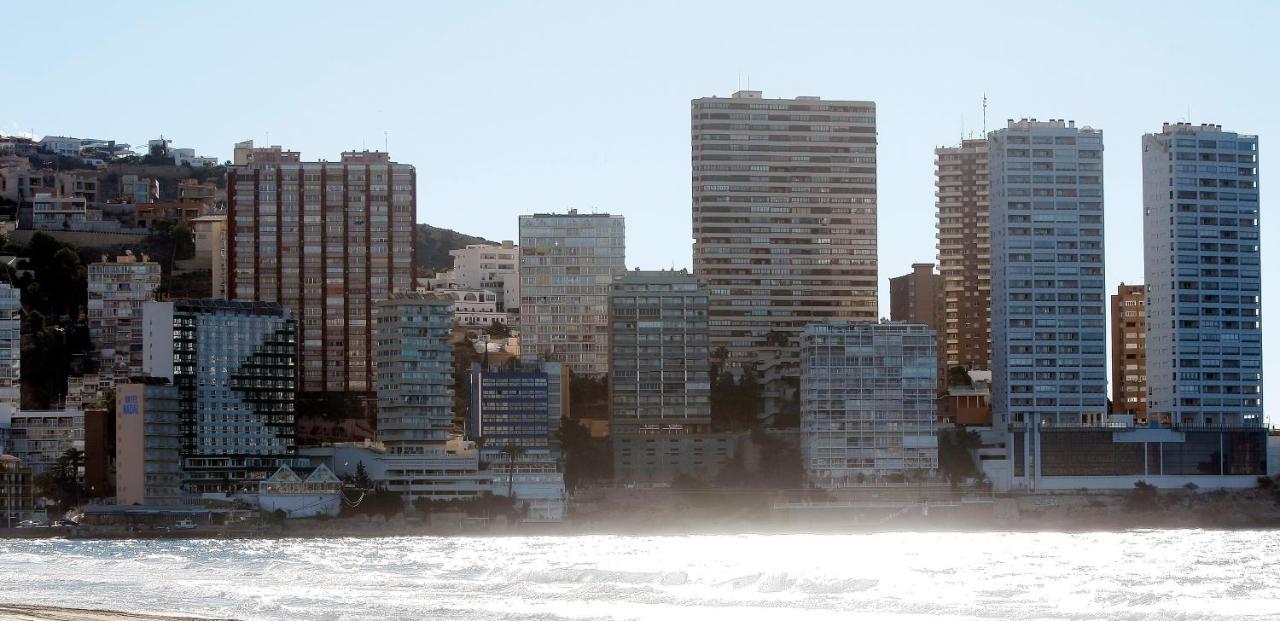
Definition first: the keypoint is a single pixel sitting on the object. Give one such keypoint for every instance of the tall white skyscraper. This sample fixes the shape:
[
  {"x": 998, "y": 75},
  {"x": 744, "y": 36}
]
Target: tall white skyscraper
[{"x": 1203, "y": 276}]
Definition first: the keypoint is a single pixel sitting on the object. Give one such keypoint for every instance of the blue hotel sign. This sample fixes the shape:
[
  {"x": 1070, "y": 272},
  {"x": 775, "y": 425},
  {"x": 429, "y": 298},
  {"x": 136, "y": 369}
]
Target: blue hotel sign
[{"x": 130, "y": 405}]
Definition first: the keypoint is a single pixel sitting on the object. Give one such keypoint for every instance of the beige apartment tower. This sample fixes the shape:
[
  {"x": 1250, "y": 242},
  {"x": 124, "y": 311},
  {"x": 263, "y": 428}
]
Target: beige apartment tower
[
  {"x": 964, "y": 254},
  {"x": 784, "y": 217},
  {"x": 1129, "y": 352},
  {"x": 328, "y": 240}
]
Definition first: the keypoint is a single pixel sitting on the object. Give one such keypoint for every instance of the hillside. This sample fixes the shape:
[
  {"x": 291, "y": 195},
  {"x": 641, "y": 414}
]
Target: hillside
[{"x": 434, "y": 245}]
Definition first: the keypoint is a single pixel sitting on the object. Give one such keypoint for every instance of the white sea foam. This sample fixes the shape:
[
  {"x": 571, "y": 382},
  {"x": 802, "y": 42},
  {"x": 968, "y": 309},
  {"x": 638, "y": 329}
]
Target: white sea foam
[{"x": 1131, "y": 575}]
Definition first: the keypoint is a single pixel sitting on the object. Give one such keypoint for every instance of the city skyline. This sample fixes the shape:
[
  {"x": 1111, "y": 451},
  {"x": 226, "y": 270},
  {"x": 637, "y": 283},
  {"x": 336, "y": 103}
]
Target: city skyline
[{"x": 481, "y": 60}]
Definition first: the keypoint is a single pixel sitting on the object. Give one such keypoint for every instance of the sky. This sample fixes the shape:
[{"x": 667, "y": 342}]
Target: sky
[{"x": 512, "y": 108}]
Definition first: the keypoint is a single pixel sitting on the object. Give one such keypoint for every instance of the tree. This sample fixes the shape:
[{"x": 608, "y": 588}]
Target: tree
[
  {"x": 498, "y": 330},
  {"x": 362, "y": 480},
  {"x": 63, "y": 483},
  {"x": 184, "y": 242},
  {"x": 958, "y": 376},
  {"x": 1144, "y": 497}
]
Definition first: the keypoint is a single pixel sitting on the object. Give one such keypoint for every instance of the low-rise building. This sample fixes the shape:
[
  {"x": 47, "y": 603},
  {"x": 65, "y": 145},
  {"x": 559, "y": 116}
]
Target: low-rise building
[
  {"x": 40, "y": 437},
  {"x": 10, "y": 348},
  {"x": 16, "y": 501},
  {"x": 868, "y": 407},
  {"x": 474, "y": 309},
  {"x": 56, "y": 213}
]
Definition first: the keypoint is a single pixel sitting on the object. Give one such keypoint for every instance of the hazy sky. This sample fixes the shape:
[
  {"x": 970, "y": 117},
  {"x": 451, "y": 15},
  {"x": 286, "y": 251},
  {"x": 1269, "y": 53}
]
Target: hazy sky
[{"x": 515, "y": 108}]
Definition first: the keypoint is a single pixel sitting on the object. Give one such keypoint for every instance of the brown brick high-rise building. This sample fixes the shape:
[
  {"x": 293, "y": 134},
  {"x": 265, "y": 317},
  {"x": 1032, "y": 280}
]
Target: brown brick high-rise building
[
  {"x": 327, "y": 240},
  {"x": 1129, "y": 351},
  {"x": 964, "y": 254},
  {"x": 915, "y": 297}
]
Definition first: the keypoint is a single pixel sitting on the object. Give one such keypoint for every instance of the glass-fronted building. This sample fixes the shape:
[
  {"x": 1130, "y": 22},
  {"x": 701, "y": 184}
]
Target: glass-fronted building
[
  {"x": 567, "y": 265},
  {"x": 867, "y": 399},
  {"x": 234, "y": 365}
]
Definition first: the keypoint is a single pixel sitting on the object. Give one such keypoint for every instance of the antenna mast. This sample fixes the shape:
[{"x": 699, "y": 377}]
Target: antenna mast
[{"x": 984, "y": 115}]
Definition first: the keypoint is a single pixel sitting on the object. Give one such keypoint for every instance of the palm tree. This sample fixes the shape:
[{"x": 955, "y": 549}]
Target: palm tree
[{"x": 511, "y": 451}]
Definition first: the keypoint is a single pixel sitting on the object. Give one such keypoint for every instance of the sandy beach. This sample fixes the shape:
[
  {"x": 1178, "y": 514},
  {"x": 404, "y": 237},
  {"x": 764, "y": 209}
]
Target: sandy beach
[{"x": 21, "y": 612}]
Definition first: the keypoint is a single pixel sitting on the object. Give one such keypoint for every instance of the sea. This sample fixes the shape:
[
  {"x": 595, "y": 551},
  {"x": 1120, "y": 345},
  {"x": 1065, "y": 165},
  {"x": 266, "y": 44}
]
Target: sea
[{"x": 1135, "y": 574}]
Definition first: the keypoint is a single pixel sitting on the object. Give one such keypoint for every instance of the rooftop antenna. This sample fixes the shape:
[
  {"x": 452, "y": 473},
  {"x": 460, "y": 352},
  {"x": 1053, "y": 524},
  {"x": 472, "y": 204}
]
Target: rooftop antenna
[
  {"x": 962, "y": 128},
  {"x": 385, "y": 141},
  {"x": 984, "y": 115}
]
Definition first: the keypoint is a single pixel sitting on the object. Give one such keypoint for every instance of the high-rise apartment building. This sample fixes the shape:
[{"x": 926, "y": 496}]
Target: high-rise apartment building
[
  {"x": 10, "y": 348},
  {"x": 868, "y": 403},
  {"x": 1129, "y": 352},
  {"x": 784, "y": 217},
  {"x": 415, "y": 368},
  {"x": 149, "y": 439},
  {"x": 210, "y": 235},
  {"x": 1203, "y": 276},
  {"x": 567, "y": 266},
  {"x": 419, "y": 459},
  {"x": 916, "y": 297},
  {"x": 1047, "y": 290},
  {"x": 659, "y": 384},
  {"x": 234, "y": 367},
  {"x": 327, "y": 240},
  {"x": 964, "y": 254},
  {"x": 117, "y": 291}
]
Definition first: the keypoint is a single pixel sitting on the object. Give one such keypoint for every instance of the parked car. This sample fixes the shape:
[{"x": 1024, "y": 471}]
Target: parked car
[
  {"x": 65, "y": 523},
  {"x": 184, "y": 525},
  {"x": 29, "y": 524}
]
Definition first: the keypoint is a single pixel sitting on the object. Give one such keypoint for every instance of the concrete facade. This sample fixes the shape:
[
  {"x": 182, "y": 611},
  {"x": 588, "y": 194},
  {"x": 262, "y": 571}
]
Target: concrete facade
[
  {"x": 328, "y": 240},
  {"x": 1047, "y": 278},
  {"x": 117, "y": 291},
  {"x": 964, "y": 253},
  {"x": 868, "y": 408},
  {"x": 1129, "y": 352},
  {"x": 234, "y": 365},
  {"x": 567, "y": 266},
  {"x": 784, "y": 218},
  {"x": 148, "y": 443},
  {"x": 1203, "y": 276}
]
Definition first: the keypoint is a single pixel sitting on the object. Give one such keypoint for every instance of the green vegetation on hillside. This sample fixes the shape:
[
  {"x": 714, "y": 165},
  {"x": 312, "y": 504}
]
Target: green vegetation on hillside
[{"x": 433, "y": 246}]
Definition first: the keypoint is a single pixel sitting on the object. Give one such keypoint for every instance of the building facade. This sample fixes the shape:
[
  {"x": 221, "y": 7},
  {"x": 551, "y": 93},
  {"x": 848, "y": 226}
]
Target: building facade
[
  {"x": 419, "y": 459},
  {"x": 1203, "y": 276},
  {"x": 16, "y": 501},
  {"x": 117, "y": 291},
  {"x": 784, "y": 217},
  {"x": 660, "y": 382},
  {"x": 1129, "y": 352},
  {"x": 327, "y": 240},
  {"x": 567, "y": 266},
  {"x": 10, "y": 348},
  {"x": 868, "y": 409},
  {"x": 915, "y": 297},
  {"x": 150, "y": 422},
  {"x": 39, "y": 437},
  {"x": 210, "y": 235},
  {"x": 964, "y": 253},
  {"x": 234, "y": 366},
  {"x": 1047, "y": 288},
  {"x": 490, "y": 267}
]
